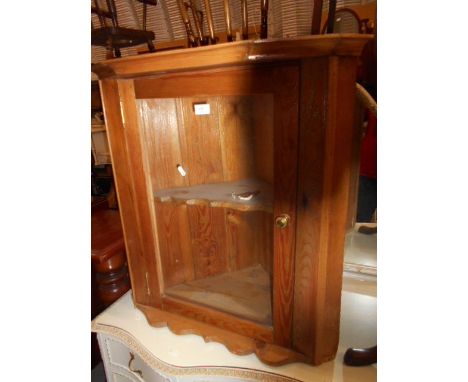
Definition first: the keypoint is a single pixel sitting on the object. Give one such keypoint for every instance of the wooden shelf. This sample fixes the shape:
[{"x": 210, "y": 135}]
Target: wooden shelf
[
  {"x": 245, "y": 293},
  {"x": 242, "y": 195}
]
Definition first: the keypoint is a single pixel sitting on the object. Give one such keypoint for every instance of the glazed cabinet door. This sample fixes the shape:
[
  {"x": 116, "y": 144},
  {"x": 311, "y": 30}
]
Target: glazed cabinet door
[{"x": 212, "y": 157}]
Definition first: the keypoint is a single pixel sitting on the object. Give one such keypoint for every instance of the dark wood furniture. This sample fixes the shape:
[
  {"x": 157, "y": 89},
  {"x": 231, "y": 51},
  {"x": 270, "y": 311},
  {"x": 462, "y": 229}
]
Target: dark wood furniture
[
  {"x": 316, "y": 16},
  {"x": 232, "y": 167},
  {"x": 115, "y": 37},
  {"x": 264, "y": 19},
  {"x": 360, "y": 356},
  {"x": 108, "y": 255},
  {"x": 346, "y": 20}
]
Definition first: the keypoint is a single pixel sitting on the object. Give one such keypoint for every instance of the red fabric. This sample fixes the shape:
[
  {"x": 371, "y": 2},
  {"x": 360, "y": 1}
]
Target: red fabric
[{"x": 369, "y": 148}]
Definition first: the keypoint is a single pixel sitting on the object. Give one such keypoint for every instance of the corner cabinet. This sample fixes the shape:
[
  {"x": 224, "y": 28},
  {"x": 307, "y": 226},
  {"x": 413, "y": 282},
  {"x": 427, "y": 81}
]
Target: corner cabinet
[{"x": 232, "y": 168}]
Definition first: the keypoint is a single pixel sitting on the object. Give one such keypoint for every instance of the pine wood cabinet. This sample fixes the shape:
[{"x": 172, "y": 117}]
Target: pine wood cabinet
[{"x": 232, "y": 165}]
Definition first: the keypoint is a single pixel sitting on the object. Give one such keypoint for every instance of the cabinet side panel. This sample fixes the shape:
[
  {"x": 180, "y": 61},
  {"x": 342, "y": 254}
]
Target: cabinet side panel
[
  {"x": 309, "y": 199},
  {"x": 125, "y": 191},
  {"x": 327, "y": 106},
  {"x": 144, "y": 202},
  {"x": 341, "y": 100},
  {"x": 143, "y": 226}
]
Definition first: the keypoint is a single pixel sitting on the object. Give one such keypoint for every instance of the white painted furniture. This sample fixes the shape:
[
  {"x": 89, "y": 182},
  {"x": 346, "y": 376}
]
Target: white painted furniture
[
  {"x": 130, "y": 346},
  {"x": 361, "y": 251}
]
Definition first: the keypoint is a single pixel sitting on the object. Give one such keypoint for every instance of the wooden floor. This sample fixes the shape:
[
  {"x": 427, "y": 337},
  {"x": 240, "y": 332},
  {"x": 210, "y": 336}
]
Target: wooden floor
[{"x": 245, "y": 293}]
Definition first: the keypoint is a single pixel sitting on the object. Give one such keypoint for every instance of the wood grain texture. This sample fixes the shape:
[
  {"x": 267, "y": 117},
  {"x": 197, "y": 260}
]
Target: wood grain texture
[
  {"x": 298, "y": 123},
  {"x": 244, "y": 293},
  {"x": 143, "y": 200},
  {"x": 201, "y": 149},
  {"x": 233, "y": 81},
  {"x": 249, "y": 239},
  {"x": 286, "y": 114},
  {"x": 174, "y": 243},
  {"x": 341, "y": 103},
  {"x": 160, "y": 133},
  {"x": 314, "y": 85},
  {"x": 243, "y": 195},
  {"x": 275, "y": 117},
  {"x": 207, "y": 228},
  {"x": 263, "y": 121},
  {"x": 234, "y": 142},
  {"x": 108, "y": 256},
  {"x": 238, "y": 344},
  {"x": 237, "y": 137},
  {"x": 106, "y": 235},
  {"x": 323, "y": 187},
  {"x": 237, "y": 81},
  {"x": 125, "y": 191},
  {"x": 235, "y": 53},
  {"x": 265, "y": 241},
  {"x": 218, "y": 319}
]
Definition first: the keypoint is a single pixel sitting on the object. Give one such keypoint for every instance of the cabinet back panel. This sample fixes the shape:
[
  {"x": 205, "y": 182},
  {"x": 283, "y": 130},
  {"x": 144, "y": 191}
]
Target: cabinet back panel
[
  {"x": 200, "y": 137},
  {"x": 174, "y": 243},
  {"x": 208, "y": 234},
  {"x": 160, "y": 131},
  {"x": 233, "y": 142},
  {"x": 249, "y": 239},
  {"x": 263, "y": 121},
  {"x": 237, "y": 137}
]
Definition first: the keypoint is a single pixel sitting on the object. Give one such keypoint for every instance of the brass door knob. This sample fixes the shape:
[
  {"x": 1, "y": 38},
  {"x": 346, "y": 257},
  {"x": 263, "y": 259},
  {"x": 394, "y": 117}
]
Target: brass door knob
[{"x": 282, "y": 221}]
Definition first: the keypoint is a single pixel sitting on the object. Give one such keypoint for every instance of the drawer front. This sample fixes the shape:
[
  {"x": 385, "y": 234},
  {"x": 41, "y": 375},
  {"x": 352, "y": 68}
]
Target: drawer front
[
  {"x": 211, "y": 379},
  {"x": 124, "y": 364},
  {"x": 116, "y": 377}
]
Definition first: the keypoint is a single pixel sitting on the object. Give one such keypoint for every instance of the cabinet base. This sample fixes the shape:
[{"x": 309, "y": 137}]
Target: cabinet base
[{"x": 269, "y": 354}]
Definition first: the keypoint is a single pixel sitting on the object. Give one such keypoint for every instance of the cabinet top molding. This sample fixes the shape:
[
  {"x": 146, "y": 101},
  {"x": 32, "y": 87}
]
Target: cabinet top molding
[{"x": 234, "y": 53}]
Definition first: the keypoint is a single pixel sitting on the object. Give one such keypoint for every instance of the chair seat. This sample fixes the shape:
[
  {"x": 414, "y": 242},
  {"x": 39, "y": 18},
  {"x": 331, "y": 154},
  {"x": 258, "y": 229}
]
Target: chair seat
[{"x": 120, "y": 37}]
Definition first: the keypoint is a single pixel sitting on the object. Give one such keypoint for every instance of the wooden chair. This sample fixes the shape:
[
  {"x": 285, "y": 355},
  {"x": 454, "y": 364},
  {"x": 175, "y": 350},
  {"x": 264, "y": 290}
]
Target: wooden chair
[
  {"x": 114, "y": 37},
  {"x": 196, "y": 36},
  {"x": 346, "y": 20}
]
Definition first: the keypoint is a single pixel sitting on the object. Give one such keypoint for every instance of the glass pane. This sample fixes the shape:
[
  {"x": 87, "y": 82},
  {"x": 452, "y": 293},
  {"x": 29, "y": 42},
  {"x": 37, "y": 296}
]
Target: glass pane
[{"x": 211, "y": 165}]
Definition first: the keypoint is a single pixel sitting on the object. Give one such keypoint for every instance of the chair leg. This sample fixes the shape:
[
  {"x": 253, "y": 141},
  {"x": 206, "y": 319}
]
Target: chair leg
[
  {"x": 109, "y": 53},
  {"x": 110, "y": 49},
  {"x": 151, "y": 47}
]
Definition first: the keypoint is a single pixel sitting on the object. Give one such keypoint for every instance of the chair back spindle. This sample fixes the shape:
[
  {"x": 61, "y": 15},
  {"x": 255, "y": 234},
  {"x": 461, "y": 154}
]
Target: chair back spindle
[{"x": 116, "y": 37}]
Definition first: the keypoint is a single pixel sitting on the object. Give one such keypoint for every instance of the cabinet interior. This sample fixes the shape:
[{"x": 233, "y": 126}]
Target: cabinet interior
[{"x": 212, "y": 184}]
